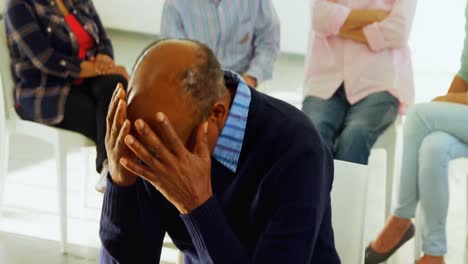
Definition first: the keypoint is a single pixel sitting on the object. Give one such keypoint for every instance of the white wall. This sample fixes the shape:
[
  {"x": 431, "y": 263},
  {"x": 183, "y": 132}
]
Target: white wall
[
  {"x": 133, "y": 15},
  {"x": 295, "y": 23},
  {"x": 2, "y": 5},
  {"x": 436, "y": 43},
  {"x": 145, "y": 17}
]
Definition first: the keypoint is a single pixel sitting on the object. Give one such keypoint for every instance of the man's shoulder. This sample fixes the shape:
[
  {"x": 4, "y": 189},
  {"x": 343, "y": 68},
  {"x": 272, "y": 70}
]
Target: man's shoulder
[
  {"x": 286, "y": 117},
  {"x": 282, "y": 125}
]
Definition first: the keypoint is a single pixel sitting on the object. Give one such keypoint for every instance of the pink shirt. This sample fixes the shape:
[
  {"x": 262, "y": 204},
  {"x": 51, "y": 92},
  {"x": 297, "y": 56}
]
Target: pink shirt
[{"x": 383, "y": 65}]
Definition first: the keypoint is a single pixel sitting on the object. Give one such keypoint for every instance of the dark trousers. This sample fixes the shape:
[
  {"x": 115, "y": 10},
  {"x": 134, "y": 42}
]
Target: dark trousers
[
  {"x": 86, "y": 110},
  {"x": 350, "y": 131}
]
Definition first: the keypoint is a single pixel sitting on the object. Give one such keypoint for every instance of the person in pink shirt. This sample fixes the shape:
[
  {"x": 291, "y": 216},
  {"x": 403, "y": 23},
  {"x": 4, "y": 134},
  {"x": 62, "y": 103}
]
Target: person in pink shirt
[{"x": 358, "y": 72}]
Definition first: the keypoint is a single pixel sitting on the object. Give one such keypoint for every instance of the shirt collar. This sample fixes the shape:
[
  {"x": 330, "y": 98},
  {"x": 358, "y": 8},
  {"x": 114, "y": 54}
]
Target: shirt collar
[{"x": 228, "y": 148}]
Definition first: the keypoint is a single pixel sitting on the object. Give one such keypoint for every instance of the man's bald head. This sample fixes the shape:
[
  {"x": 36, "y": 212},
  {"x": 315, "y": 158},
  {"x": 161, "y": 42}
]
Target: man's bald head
[{"x": 181, "y": 78}]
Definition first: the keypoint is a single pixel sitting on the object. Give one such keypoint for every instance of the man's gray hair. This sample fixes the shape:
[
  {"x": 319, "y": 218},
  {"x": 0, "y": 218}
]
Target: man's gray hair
[{"x": 204, "y": 80}]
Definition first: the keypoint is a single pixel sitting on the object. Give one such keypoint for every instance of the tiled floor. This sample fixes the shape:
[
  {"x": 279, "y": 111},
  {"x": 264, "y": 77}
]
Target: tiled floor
[{"x": 29, "y": 217}]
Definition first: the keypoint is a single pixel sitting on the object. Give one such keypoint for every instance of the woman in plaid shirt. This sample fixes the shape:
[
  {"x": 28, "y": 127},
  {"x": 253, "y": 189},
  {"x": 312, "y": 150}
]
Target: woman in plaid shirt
[{"x": 62, "y": 64}]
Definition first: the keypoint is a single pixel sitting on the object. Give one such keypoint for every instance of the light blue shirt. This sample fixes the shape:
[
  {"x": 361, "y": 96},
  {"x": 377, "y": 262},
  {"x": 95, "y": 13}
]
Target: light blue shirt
[
  {"x": 243, "y": 34},
  {"x": 228, "y": 148}
]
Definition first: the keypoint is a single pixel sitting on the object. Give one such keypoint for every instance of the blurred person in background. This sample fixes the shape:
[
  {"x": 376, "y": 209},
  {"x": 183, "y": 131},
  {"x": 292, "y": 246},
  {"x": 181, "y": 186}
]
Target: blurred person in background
[
  {"x": 435, "y": 134},
  {"x": 243, "y": 34},
  {"x": 358, "y": 71},
  {"x": 63, "y": 67}
]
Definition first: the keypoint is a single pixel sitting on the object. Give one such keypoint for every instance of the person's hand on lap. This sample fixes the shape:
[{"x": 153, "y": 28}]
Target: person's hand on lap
[
  {"x": 103, "y": 63},
  {"x": 442, "y": 98},
  {"x": 118, "y": 70},
  {"x": 117, "y": 129},
  {"x": 181, "y": 175}
]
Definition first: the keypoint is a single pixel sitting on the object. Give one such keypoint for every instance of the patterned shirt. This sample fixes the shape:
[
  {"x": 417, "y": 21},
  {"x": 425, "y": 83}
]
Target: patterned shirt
[
  {"x": 44, "y": 53},
  {"x": 228, "y": 148},
  {"x": 244, "y": 34}
]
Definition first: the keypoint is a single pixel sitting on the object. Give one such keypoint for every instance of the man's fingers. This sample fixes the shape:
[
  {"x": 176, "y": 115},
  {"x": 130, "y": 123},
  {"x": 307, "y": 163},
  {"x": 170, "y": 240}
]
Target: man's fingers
[
  {"x": 201, "y": 148},
  {"x": 119, "y": 118},
  {"x": 142, "y": 153},
  {"x": 112, "y": 108},
  {"x": 152, "y": 141},
  {"x": 124, "y": 131},
  {"x": 168, "y": 135},
  {"x": 137, "y": 169}
]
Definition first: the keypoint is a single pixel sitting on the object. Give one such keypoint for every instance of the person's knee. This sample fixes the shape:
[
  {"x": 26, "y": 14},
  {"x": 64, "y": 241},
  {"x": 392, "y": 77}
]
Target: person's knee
[
  {"x": 355, "y": 133},
  {"x": 417, "y": 113},
  {"x": 435, "y": 148}
]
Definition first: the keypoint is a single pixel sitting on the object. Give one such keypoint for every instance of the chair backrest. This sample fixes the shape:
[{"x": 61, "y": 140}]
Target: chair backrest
[
  {"x": 7, "y": 84},
  {"x": 349, "y": 196}
]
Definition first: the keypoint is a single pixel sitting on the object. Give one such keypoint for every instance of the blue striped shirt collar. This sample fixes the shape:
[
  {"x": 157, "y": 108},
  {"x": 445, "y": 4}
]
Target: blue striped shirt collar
[{"x": 228, "y": 148}]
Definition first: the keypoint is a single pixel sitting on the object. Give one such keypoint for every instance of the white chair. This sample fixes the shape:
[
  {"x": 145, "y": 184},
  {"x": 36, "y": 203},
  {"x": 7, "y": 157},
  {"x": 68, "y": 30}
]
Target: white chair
[
  {"x": 64, "y": 142},
  {"x": 419, "y": 220},
  {"x": 391, "y": 141},
  {"x": 349, "y": 194}
]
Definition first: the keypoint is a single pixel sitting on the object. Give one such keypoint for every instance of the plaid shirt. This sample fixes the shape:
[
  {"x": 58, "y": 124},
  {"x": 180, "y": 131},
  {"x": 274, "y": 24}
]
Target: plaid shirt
[{"x": 44, "y": 53}]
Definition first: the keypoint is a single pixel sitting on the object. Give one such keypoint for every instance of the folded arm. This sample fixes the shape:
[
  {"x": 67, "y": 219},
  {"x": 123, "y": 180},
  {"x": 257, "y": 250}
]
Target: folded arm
[
  {"x": 333, "y": 19},
  {"x": 358, "y": 19},
  {"x": 392, "y": 32}
]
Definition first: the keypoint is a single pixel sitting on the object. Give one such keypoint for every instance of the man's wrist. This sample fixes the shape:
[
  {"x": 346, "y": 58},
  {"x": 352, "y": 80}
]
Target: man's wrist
[
  {"x": 123, "y": 182},
  {"x": 195, "y": 203}
]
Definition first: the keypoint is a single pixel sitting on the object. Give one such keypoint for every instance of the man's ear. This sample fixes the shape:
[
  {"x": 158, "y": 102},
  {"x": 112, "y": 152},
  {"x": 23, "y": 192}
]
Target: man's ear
[{"x": 218, "y": 114}]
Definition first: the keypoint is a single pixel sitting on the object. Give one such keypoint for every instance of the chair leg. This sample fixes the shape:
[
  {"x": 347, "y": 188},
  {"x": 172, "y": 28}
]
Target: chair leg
[
  {"x": 466, "y": 227},
  {"x": 61, "y": 159},
  {"x": 85, "y": 180},
  {"x": 4, "y": 157},
  {"x": 391, "y": 166},
  {"x": 418, "y": 235}
]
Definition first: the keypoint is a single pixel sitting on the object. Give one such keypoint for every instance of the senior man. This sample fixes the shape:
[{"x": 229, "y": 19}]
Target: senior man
[{"x": 232, "y": 175}]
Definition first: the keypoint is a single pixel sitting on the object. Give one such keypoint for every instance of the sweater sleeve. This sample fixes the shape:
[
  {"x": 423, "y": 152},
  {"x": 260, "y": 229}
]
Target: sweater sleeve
[
  {"x": 300, "y": 192},
  {"x": 328, "y": 17},
  {"x": 463, "y": 73},
  {"x": 394, "y": 31},
  {"x": 123, "y": 239}
]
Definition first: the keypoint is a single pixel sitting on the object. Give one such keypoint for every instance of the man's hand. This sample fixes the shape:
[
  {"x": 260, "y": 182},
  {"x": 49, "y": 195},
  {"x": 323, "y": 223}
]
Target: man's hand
[
  {"x": 117, "y": 129},
  {"x": 182, "y": 176},
  {"x": 102, "y": 63},
  {"x": 251, "y": 81}
]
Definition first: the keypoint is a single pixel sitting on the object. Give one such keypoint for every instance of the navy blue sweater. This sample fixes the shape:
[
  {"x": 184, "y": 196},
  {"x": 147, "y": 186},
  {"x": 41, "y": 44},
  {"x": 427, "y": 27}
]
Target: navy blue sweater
[{"x": 275, "y": 209}]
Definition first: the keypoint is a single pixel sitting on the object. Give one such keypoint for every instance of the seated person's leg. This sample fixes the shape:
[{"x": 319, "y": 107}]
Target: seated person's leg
[
  {"x": 327, "y": 115},
  {"x": 79, "y": 114},
  {"x": 436, "y": 152},
  {"x": 364, "y": 123},
  {"x": 102, "y": 89}
]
